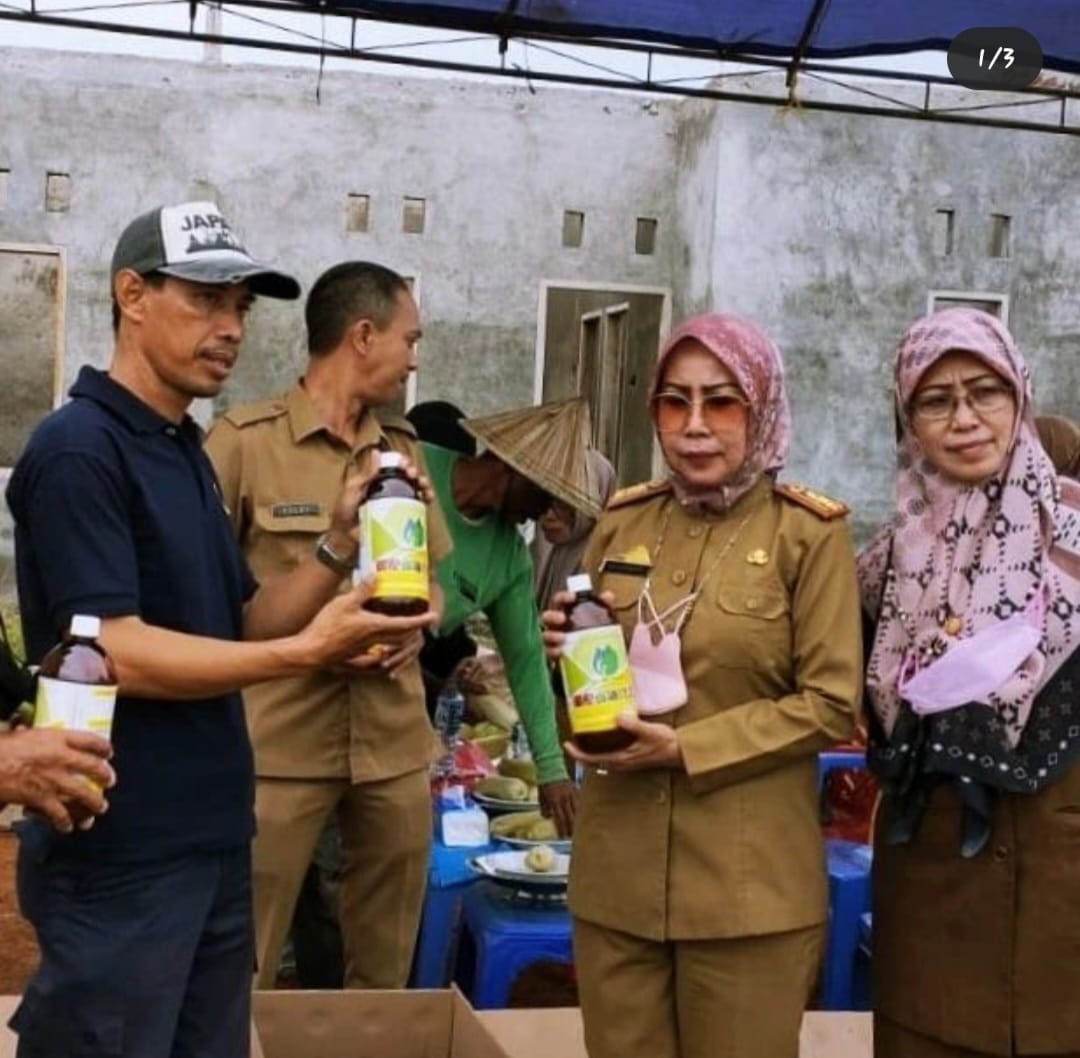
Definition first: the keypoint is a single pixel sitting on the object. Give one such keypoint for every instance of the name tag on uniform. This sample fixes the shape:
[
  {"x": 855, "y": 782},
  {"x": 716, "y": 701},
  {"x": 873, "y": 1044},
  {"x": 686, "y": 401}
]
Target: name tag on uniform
[
  {"x": 294, "y": 510},
  {"x": 635, "y": 562}
]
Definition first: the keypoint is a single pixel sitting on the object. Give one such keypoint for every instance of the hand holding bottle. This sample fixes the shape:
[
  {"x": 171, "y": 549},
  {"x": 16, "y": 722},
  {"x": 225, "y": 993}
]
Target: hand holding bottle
[
  {"x": 47, "y": 771},
  {"x": 344, "y": 628}
]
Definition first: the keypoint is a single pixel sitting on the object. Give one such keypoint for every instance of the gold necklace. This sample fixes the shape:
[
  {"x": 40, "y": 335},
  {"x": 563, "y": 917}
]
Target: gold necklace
[{"x": 719, "y": 558}]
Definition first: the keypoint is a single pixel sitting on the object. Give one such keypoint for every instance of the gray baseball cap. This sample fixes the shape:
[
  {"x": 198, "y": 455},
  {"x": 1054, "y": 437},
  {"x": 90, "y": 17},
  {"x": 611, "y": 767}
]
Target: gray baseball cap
[{"x": 194, "y": 241}]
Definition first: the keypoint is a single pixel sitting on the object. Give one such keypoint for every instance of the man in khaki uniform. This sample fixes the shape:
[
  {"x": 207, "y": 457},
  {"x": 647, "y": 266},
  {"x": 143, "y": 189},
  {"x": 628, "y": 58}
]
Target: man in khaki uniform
[{"x": 353, "y": 743}]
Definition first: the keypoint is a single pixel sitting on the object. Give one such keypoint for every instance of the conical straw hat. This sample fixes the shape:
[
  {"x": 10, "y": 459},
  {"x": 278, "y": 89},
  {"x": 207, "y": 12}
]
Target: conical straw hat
[{"x": 547, "y": 445}]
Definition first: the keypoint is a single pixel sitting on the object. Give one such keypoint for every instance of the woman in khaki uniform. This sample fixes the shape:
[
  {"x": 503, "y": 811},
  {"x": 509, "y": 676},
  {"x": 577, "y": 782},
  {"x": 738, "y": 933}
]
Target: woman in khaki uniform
[
  {"x": 697, "y": 883},
  {"x": 973, "y": 680}
]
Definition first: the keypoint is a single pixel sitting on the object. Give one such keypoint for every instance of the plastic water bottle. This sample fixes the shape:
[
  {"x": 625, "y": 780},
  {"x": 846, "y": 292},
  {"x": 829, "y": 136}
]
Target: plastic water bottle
[
  {"x": 449, "y": 715},
  {"x": 519, "y": 743}
]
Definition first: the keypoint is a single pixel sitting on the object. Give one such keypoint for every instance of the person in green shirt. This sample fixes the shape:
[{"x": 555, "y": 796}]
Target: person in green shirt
[{"x": 531, "y": 457}]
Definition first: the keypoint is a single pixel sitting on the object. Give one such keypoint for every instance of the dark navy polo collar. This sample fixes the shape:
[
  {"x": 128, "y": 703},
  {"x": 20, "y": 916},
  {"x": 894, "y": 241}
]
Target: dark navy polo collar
[{"x": 139, "y": 417}]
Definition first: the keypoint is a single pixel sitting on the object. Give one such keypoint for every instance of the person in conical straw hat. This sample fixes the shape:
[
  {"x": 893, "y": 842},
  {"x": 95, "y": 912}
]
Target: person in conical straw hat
[
  {"x": 547, "y": 445},
  {"x": 526, "y": 458}
]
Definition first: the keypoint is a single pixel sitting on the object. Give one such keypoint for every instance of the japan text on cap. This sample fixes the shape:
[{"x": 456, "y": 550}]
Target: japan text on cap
[{"x": 194, "y": 241}]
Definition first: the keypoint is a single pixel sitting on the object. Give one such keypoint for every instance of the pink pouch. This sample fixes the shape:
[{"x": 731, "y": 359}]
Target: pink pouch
[
  {"x": 656, "y": 665},
  {"x": 974, "y": 668}
]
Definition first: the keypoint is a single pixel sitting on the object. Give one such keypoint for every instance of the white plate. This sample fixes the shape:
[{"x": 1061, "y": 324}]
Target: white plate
[
  {"x": 557, "y": 844},
  {"x": 497, "y": 804},
  {"x": 509, "y": 868}
]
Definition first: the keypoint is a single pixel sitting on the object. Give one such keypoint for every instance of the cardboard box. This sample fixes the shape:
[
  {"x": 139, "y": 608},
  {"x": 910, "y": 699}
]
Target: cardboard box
[
  {"x": 443, "y": 1025},
  {"x": 558, "y": 1034},
  {"x": 349, "y": 1025},
  {"x": 417, "y": 1024}
]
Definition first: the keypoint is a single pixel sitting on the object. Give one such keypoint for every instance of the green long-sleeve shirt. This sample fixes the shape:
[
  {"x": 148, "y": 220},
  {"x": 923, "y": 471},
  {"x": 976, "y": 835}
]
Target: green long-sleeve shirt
[{"x": 490, "y": 571}]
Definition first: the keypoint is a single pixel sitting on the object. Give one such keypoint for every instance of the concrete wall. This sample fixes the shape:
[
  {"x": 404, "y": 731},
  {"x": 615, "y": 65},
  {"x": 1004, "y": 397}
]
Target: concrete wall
[
  {"x": 823, "y": 234},
  {"x": 496, "y": 165},
  {"x": 818, "y": 226}
]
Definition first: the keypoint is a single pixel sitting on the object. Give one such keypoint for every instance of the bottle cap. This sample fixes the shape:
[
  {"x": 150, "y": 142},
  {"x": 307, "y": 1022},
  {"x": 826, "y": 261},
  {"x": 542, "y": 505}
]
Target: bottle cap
[
  {"x": 390, "y": 460},
  {"x": 85, "y": 627},
  {"x": 579, "y": 583}
]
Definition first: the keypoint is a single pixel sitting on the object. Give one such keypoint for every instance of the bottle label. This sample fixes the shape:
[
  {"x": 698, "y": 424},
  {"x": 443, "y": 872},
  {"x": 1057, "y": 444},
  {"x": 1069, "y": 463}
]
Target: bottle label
[
  {"x": 596, "y": 678},
  {"x": 393, "y": 547},
  {"x": 75, "y": 706}
]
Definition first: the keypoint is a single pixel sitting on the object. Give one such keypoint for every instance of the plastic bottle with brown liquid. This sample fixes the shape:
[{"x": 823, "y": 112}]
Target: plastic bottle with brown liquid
[
  {"x": 76, "y": 687},
  {"x": 393, "y": 541},
  {"x": 595, "y": 671}
]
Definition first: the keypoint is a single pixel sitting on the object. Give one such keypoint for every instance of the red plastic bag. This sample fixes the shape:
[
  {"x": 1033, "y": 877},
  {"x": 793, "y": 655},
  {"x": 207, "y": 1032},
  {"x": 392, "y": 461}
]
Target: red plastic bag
[
  {"x": 848, "y": 802},
  {"x": 471, "y": 764}
]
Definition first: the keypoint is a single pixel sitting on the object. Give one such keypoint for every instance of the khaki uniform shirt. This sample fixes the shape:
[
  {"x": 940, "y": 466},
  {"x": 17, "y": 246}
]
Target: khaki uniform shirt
[
  {"x": 731, "y": 846},
  {"x": 281, "y": 471}
]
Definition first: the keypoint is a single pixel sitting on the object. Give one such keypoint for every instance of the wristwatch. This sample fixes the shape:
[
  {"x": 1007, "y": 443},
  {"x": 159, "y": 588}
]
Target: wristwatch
[{"x": 330, "y": 558}]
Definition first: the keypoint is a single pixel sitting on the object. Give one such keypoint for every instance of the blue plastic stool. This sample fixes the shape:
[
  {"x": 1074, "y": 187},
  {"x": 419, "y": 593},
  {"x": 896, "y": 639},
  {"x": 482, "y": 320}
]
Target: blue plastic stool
[
  {"x": 449, "y": 877},
  {"x": 849, "y": 865},
  {"x": 838, "y": 758},
  {"x": 862, "y": 989},
  {"x": 504, "y": 936}
]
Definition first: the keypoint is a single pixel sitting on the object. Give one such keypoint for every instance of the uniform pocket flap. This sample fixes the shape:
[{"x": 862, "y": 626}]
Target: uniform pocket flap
[
  {"x": 752, "y": 600},
  {"x": 625, "y": 587}
]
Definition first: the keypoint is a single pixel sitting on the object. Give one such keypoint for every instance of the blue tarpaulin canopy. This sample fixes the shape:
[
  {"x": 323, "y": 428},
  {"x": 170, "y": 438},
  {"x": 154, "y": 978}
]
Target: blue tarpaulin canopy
[
  {"x": 804, "y": 38},
  {"x": 779, "y": 28}
]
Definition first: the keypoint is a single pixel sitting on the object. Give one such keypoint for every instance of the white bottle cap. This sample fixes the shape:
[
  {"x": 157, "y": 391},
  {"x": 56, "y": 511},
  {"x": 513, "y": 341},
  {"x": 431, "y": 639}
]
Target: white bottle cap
[
  {"x": 580, "y": 582},
  {"x": 85, "y": 627},
  {"x": 389, "y": 460}
]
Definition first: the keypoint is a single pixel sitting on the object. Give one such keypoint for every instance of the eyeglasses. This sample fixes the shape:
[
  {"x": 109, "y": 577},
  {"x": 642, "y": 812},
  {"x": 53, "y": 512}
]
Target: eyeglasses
[
  {"x": 671, "y": 411},
  {"x": 983, "y": 398}
]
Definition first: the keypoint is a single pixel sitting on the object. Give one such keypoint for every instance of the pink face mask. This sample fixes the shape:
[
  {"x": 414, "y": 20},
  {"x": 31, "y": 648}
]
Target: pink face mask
[
  {"x": 655, "y": 657},
  {"x": 974, "y": 668}
]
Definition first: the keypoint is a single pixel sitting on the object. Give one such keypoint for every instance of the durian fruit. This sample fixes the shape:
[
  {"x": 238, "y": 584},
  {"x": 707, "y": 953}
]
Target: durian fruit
[
  {"x": 542, "y": 830},
  {"x": 515, "y": 768},
  {"x": 503, "y": 789},
  {"x": 541, "y": 859},
  {"x": 514, "y": 824}
]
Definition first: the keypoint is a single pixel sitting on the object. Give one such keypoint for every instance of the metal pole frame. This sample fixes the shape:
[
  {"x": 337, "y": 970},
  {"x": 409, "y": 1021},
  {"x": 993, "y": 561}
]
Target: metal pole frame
[{"x": 793, "y": 66}]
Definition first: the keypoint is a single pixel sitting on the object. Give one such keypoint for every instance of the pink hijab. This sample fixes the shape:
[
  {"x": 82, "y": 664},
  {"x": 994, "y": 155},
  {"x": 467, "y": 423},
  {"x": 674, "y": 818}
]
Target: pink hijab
[
  {"x": 755, "y": 362},
  {"x": 985, "y": 551}
]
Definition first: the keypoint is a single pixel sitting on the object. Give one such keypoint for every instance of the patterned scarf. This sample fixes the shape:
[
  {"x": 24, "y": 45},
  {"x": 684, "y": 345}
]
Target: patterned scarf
[
  {"x": 755, "y": 362},
  {"x": 984, "y": 551}
]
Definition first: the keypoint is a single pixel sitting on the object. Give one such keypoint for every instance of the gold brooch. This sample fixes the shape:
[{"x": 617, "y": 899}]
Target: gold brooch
[{"x": 758, "y": 557}]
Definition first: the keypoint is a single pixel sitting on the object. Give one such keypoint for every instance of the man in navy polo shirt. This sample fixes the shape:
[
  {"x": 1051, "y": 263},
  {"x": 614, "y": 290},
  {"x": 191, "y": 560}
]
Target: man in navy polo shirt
[{"x": 144, "y": 920}]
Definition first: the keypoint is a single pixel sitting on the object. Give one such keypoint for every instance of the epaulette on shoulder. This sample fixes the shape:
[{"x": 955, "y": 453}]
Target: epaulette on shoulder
[
  {"x": 389, "y": 420},
  {"x": 825, "y": 507},
  {"x": 636, "y": 493},
  {"x": 247, "y": 414}
]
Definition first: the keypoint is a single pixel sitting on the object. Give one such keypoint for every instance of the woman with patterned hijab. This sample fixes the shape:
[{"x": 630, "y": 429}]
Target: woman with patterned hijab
[
  {"x": 697, "y": 883},
  {"x": 974, "y": 591}
]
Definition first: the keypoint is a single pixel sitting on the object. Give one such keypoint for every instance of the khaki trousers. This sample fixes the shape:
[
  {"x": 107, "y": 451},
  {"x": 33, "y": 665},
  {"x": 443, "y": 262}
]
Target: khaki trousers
[
  {"x": 738, "y": 998},
  {"x": 385, "y": 837},
  {"x": 894, "y": 1041}
]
